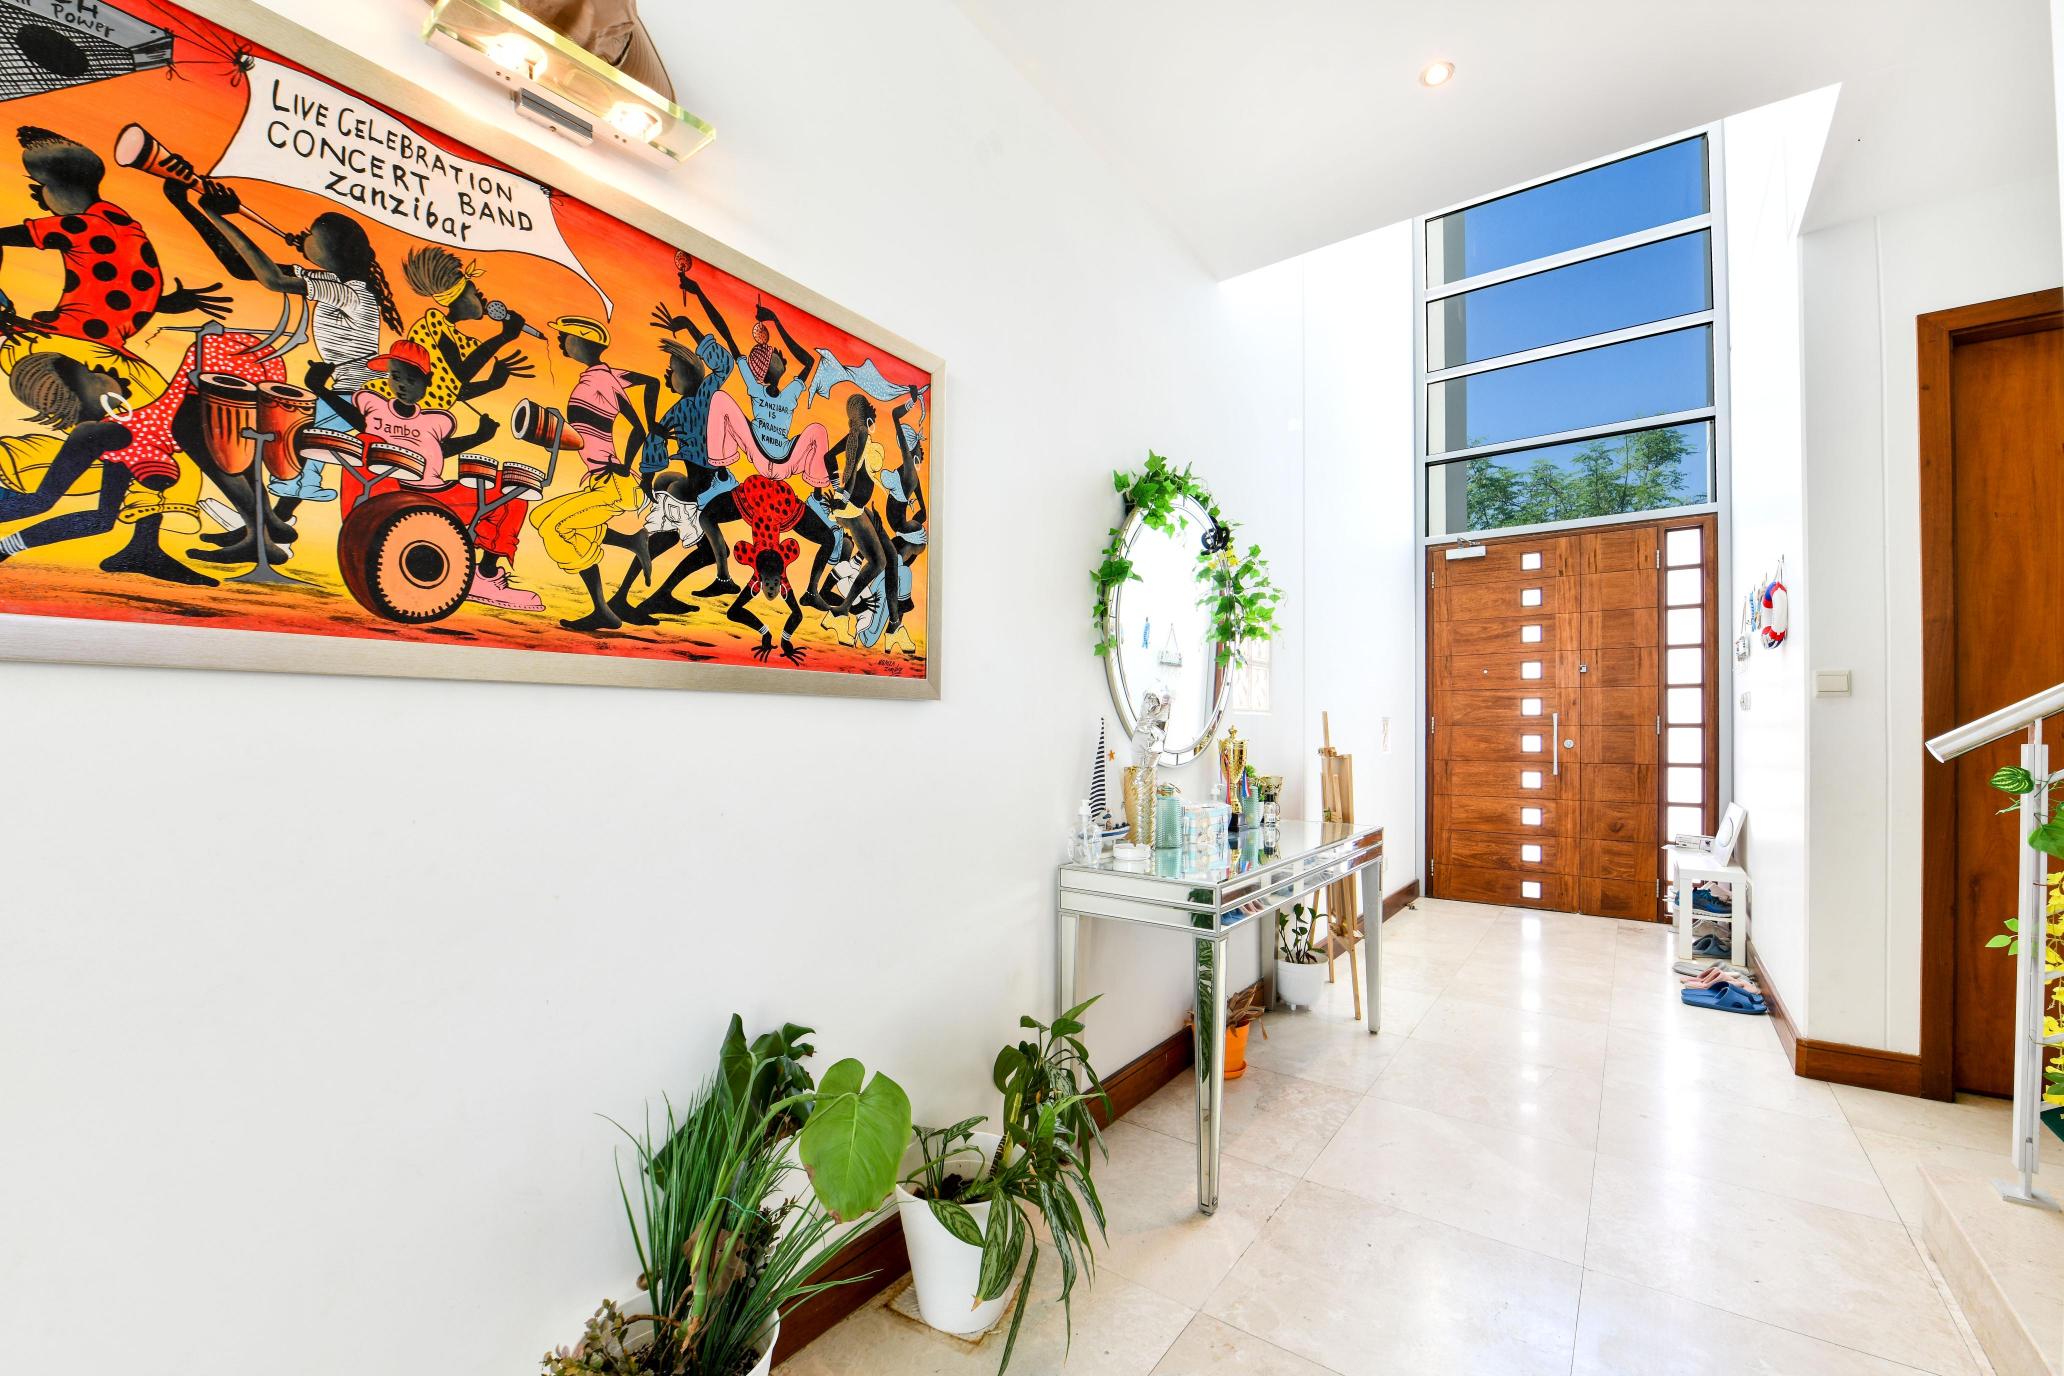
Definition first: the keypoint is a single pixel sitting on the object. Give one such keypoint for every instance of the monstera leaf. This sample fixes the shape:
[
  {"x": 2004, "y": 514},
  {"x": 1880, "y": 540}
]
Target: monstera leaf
[{"x": 854, "y": 1140}]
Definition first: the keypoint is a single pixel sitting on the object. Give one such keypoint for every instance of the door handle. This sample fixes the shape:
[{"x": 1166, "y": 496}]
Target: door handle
[{"x": 1555, "y": 737}]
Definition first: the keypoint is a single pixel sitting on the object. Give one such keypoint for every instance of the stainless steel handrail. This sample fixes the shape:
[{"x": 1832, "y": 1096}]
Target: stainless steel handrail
[
  {"x": 1987, "y": 729},
  {"x": 2031, "y": 981}
]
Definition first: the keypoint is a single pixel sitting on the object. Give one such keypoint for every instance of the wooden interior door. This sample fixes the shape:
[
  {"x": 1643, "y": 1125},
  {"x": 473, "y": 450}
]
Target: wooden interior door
[
  {"x": 2004, "y": 472},
  {"x": 1571, "y": 692}
]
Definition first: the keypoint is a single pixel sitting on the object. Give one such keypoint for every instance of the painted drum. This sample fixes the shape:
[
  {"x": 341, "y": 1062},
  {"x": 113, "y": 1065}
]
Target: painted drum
[
  {"x": 329, "y": 446},
  {"x": 284, "y": 410},
  {"x": 383, "y": 459},
  {"x": 405, "y": 558},
  {"x": 229, "y": 407},
  {"x": 522, "y": 478},
  {"x": 542, "y": 426}
]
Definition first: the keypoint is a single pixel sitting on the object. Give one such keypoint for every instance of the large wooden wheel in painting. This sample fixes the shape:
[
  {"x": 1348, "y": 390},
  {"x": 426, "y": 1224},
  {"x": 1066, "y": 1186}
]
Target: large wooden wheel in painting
[
  {"x": 1573, "y": 722},
  {"x": 1992, "y": 632}
]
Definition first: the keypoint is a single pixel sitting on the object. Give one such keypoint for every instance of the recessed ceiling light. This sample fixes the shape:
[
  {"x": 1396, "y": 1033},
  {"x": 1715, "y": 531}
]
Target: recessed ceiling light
[{"x": 1436, "y": 73}]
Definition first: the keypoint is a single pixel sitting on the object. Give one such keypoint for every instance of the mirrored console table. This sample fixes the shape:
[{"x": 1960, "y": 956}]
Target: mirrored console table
[{"x": 1206, "y": 899}]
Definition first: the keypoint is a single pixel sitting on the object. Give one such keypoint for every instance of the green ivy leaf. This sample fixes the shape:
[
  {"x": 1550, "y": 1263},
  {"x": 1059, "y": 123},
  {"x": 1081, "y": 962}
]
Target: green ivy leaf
[
  {"x": 2014, "y": 779},
  {"x": 2048, "y": 838}
]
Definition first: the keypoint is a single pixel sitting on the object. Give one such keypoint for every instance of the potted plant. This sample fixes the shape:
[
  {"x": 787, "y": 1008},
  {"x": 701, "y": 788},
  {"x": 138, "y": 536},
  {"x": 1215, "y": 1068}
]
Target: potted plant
[
  {"x": 968, "y": 1205},
  {"x": 724, "y": 1243},
  {"x": 1243, "y": 1010},
  {"x": 1300, "y": 968}
]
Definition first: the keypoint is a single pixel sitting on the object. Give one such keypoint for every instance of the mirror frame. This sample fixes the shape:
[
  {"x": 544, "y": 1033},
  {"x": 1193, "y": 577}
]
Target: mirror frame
[{"x": 1122, "y": 698}]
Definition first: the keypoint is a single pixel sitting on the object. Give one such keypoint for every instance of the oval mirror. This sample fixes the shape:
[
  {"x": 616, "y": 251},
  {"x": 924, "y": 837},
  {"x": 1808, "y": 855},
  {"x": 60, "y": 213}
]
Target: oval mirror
[{"x": 1164, "y": 635}]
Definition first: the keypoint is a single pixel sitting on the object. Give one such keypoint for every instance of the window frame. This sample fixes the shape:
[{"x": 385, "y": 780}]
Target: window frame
[
  {"x": 1713, "y": 223},
  {"x": 1720, "y": 507}
]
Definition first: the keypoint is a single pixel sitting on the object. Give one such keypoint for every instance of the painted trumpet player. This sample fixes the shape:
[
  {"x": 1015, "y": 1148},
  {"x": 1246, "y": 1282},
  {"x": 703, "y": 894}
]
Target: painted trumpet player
[{"x": 274, "y": 358}]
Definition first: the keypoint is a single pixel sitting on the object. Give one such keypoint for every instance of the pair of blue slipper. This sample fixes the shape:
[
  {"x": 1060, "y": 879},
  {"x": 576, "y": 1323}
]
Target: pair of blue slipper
[{"x": 1726, "y": 998}]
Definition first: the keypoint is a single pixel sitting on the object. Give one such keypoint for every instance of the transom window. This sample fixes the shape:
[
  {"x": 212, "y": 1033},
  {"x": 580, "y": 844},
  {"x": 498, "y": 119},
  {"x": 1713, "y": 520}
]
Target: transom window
[{"x": 1573, "y": 346}]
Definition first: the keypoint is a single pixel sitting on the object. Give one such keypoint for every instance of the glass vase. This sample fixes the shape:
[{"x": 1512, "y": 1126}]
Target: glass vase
[{"x": 1139, "y": 804}]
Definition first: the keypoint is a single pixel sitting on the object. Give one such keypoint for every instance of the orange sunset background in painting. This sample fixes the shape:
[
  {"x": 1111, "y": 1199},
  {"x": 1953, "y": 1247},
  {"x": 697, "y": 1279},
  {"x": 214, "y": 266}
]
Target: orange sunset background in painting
[{"x": 194, "y": 108}]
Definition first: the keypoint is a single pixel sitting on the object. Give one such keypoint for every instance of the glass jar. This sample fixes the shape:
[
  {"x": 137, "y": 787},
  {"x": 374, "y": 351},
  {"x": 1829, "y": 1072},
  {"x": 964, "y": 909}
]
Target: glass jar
[{"x": 1168, "y": 810}]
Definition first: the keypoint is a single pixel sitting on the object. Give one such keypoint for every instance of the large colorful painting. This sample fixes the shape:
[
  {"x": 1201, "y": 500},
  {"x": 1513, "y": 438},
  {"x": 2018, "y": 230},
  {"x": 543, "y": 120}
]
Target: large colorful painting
[{"x": 289, "y": 379}]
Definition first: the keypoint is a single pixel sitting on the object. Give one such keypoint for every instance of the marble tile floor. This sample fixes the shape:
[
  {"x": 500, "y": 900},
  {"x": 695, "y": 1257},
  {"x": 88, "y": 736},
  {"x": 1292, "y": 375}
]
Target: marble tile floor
[{"x": 1545, "y": 1164}]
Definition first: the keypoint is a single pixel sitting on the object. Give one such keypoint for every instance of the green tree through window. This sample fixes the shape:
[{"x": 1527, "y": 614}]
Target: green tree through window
[{"x": 1642, "y": 471}]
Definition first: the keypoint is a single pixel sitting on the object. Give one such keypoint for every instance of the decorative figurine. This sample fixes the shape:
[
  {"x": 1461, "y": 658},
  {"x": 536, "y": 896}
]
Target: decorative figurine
[{"x": 1148, "y": 730}]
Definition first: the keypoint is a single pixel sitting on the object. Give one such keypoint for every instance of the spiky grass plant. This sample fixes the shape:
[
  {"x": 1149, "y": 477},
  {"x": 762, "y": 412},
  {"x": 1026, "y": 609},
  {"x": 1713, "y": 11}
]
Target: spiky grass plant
[{"x": 724, "y": 1243}]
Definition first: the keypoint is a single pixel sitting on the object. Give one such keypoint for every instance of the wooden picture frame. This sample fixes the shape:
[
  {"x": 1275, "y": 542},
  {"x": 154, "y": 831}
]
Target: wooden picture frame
[{"x": 84, "y": 640}]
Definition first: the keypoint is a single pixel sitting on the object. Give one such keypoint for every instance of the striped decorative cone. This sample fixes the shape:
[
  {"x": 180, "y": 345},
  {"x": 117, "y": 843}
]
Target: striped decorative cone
[{"x": 1099, "y": 799}]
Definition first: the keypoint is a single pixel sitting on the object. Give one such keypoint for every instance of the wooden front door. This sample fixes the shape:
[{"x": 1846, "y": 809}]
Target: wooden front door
[
  {"x": 1992, "y": 504},
  {"x": 1571, "y": 714}
]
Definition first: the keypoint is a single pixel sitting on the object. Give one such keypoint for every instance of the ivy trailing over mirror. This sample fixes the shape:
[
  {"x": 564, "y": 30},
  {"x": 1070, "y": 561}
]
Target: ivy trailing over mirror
[{"x": 1234, "y": 587}]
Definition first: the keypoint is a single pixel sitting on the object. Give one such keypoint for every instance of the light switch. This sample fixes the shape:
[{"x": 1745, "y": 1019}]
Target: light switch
[{"x": 1831, "y": 683}]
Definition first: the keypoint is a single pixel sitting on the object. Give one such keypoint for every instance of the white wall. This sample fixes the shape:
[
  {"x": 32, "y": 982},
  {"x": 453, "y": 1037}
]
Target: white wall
[
  {"x": 1769, "y": 156},
  {"x": 1865, "y": 282},
  {"x": 306, "y": 1027},
  {"x": 1826, "y": 476},
  {"x": 1361, "y": 529}
]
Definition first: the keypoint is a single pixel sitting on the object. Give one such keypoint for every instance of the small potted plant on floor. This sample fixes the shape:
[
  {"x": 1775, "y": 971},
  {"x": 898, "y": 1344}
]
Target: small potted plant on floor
[
  {"x": 1243, "y": 1010},
  {"x": 725, "y": 1241},
  {"x": 969, "y": 1203},
  {"x": 1300, "y": 968}
]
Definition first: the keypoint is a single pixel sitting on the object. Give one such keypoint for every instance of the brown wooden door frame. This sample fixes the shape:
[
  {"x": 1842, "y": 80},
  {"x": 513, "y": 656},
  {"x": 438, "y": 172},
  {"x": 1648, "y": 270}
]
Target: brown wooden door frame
[
  {"x": 1936, "y": 335},
  {"x": 1718, "y": 625}
]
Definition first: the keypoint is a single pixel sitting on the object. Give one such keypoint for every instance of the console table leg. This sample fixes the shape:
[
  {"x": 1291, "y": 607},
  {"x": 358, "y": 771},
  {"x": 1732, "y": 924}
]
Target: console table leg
[
  {"x": 1209, "y": 1034},
  {"x": 1064, "y": 984},
  {"x": 1372, "y": 947}
]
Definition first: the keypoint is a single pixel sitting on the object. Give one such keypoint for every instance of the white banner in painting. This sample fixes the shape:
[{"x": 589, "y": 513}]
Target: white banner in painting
[{"x": 305, "y": 133}]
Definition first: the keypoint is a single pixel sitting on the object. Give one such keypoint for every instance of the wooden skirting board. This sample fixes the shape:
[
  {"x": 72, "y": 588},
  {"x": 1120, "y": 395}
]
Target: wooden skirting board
[
  {"x": 1894, "y": 1072},
  {"x": 877, "y": 1258}
]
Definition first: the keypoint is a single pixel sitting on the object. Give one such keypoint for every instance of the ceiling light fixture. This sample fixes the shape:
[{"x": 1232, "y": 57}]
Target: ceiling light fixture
[
  {"x": 557, "y": 83},
  {"x": 1436, "y": 73}
]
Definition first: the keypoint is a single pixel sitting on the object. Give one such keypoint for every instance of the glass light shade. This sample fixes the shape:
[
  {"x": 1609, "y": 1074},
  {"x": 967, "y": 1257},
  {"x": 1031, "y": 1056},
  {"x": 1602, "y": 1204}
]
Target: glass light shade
[{"x": 503, "y": 40}]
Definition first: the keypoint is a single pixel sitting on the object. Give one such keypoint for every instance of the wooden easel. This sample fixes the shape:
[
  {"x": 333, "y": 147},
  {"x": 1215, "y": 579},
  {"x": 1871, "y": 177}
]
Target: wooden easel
[{"x": 1343, "y": 905}]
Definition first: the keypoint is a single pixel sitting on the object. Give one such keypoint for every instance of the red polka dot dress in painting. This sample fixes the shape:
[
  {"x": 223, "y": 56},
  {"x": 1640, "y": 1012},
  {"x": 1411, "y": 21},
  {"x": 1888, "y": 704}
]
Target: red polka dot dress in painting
[
  {"x": 152, "y": 454},
  {"x": 771, "y": 509},
  {"x": 112, "y": 281}
]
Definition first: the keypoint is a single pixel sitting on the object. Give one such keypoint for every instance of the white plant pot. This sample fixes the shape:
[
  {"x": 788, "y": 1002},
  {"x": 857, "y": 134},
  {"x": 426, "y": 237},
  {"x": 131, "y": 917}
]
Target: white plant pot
[
  {"x": 641, "y": 1302},
  {"x": 766, "y": 1362},
  {"x": 945, "y": 1271},
  {"x": 1299, "y": 985}
]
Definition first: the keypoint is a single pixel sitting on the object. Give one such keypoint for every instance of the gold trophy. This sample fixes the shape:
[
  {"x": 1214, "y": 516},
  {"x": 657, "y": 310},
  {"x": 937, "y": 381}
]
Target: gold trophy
[{"x": 1232, "y": 763}]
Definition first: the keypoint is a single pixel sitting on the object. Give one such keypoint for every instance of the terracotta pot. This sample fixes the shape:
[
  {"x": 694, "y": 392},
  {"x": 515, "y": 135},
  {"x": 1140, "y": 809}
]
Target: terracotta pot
[{"x": 1236, "y": 1051}]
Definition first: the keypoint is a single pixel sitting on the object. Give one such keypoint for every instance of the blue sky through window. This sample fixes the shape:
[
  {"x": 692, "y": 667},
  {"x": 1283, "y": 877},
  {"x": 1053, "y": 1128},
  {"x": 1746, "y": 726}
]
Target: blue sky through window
[
  {"x": 1651, "y": 376},
  {"x": 1653, "y": 188},
  {"x": 1633, "y": 287}
]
